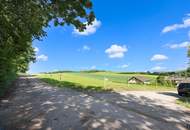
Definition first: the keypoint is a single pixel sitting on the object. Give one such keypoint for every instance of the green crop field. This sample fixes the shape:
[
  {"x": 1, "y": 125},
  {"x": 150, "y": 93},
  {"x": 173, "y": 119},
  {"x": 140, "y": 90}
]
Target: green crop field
[{"x": 100, "y": 81}]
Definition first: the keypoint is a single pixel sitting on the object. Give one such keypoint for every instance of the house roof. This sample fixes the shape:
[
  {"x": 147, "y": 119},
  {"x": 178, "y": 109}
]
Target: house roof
[
  {"x": 141, "y": 78},
  {"x": 186, "y": 81},
  {"x": 180, "y": 79}
]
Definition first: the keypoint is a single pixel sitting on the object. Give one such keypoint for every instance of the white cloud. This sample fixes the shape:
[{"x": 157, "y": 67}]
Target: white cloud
[
  {"x": 189, "y": 34},
  {"x": 85, "y": 47},
  {"x": 42, "y": 58},
  {"x": 36, "y": 49},
  {"x": 116, "y": 51},
  {"x": 185, "y": 24},
  {"x": 158, "y": 68},
  {"x": 158, "y": 57},
  {"x": 90, "y": 29},
  {"x": 124, "y": 66},
  {"x": 93, "y": 67},
  {"x": 188, "y": 14},
  {"x": 185, "y": 44}
]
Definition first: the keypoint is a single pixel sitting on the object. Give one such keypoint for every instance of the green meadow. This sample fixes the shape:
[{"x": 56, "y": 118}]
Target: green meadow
[{"x": 101, "y": 81}]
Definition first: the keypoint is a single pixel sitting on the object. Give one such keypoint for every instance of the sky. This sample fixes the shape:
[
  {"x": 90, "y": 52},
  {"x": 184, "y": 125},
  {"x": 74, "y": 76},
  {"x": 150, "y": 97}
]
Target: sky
[{"x": 127, "y": 35}]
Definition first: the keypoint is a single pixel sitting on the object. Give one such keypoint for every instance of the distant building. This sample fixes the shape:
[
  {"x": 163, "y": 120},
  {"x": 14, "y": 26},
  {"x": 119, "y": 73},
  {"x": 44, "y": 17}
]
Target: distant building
[
  {"x": 139, "y": 80},
  {"x": 177, "y": 80}
]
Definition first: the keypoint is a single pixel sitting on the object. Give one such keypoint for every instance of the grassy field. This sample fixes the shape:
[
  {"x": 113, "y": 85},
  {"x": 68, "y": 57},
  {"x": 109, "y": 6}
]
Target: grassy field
[
  {"x": 114, "y": 77},
  {"x": 100, "y": 81}
]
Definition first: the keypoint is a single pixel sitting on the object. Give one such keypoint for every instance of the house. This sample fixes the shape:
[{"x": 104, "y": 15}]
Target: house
[
  {"x": 139, "y": 80},
  {"x": 177, "y": 80}
]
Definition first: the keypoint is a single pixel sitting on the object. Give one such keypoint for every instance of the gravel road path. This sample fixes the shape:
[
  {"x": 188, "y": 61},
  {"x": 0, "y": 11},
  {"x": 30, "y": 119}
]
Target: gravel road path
[{"x": 35, "y": 105}]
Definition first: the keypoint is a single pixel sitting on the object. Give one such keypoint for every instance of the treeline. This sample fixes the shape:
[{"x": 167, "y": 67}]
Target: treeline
[
  {"x": 148, "y": 72},
  {"x": 70, "y": 71},
  {"x": 23, "y": 21},
  {"x": 93, "y": 71},
  {"x": 183, "y": 73},
  {"x": 61, "y": 71}
]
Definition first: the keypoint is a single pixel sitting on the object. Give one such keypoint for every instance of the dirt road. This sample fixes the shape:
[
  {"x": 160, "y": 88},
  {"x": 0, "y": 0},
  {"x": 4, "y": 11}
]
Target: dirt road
[{"x": 34, "y": 105}]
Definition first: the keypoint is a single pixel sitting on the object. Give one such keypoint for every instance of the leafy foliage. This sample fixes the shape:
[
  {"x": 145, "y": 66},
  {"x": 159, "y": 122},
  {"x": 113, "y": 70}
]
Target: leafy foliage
[
  {"x": 22, "y": 21},
  {"x": 161, "y": 81},
  {"x": 188, "y": 55}
]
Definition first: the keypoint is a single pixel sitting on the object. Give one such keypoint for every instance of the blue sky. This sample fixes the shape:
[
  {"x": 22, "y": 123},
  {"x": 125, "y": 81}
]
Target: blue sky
[{"x": 128, "y": 35}]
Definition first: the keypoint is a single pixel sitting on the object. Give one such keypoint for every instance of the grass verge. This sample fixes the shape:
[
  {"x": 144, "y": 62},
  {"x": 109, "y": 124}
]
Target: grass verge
[
  {"x": 184, "y": 101},
  {"x": 77, "y": 86}
]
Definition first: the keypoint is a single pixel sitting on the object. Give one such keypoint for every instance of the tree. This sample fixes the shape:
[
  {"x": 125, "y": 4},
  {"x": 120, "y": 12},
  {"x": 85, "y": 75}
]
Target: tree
[
  {"x": 22, "y": 21},
  {"x": 188, "y": 69},
  {"x": 160, "y": 80}
]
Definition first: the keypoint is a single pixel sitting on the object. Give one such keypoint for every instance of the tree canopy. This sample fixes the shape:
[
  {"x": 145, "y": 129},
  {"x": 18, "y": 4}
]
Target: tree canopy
[
  {"x": 188, "y": 55},
  {"x": 22, "y": 21}
]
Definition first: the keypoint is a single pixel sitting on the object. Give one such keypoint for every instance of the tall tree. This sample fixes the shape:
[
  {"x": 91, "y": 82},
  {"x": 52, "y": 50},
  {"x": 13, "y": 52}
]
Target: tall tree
[
  {"x": 188, "y": 68},
  {"x": 22, "y": 21}
]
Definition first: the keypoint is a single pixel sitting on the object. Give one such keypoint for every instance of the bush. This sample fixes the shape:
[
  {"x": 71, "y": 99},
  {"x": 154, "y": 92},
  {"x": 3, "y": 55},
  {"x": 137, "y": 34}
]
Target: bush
[{"x": 161, "y": 81}]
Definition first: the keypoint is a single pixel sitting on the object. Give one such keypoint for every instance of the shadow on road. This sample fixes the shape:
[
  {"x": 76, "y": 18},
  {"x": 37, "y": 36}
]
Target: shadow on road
[
  {"x": 35, "y": 105},
  {"x": 170, "y": 94},
  {"x": 75, "y": 86}
]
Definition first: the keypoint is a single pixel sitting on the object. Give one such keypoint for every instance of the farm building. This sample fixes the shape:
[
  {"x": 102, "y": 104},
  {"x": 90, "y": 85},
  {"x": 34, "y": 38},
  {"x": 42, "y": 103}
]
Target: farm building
[
  {"x": 139, "y": 80},
  {"x": 178, "y": 79}
]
